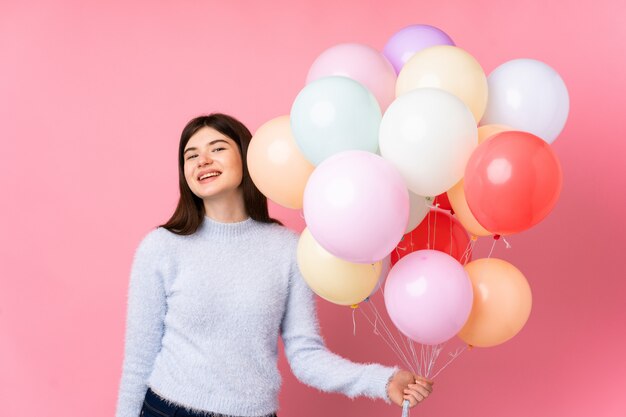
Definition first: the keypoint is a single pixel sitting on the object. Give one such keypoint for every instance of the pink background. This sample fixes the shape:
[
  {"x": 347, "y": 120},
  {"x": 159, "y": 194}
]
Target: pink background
[{"x": 93, "y": 97}]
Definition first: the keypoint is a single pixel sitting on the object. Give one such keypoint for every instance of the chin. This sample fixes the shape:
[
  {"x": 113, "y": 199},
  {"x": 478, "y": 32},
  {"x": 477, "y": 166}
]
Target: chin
[{"x": 222, "y": 192}]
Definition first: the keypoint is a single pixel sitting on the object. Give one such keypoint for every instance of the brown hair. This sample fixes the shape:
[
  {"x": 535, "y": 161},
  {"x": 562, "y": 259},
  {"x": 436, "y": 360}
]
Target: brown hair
[{"x": 190, "y": 212}]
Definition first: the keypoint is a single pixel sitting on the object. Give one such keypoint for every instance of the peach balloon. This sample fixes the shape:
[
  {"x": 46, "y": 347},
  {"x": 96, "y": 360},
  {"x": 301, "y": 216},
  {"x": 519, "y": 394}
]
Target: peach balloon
[
  {"x": 502, "y": 302},
  {"x": 335, "y": 280},
  {"x": 456, "y": 194},
  {"x": 484, "y": 132},
  {"x": 276, "y": 164},
  {"x": 448, "y": 68}
]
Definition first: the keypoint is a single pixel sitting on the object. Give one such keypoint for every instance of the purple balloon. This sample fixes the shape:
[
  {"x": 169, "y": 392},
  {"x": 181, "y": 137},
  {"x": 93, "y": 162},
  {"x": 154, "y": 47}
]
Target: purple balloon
[
  {"x": 406, "y": 42},
  {"x": 428, "y": 296}
]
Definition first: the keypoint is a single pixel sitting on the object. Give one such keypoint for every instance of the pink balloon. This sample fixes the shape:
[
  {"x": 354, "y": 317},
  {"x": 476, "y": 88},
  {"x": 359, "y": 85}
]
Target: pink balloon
[
  {"x": 356, "y": 206},
  {"x": 362, "y": 63},
  {"x": 428, "y": 296}
]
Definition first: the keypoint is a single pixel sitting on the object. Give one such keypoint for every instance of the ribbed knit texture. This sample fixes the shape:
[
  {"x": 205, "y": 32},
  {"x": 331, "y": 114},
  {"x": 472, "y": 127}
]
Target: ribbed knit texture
[{"x": 204, "y": 315}]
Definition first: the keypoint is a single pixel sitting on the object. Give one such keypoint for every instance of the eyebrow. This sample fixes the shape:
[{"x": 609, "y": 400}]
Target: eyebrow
[{"x": 209, "y": 144}]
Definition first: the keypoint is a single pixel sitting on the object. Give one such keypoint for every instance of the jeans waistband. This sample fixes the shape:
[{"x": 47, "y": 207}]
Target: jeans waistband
[{"x": 165, "y": 408}]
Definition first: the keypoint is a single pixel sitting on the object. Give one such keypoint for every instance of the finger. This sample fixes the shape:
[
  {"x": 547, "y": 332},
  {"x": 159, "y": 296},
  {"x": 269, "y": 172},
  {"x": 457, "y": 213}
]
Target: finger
[
  {"x": 421, "y": 389},
  {"x": 424, "y": 384},
  {"x": 412, "y": 401},
  {"x": 418, "y": 395},
  {"x": 415, "y": 395},
  {"x": 419, "y": 378}
]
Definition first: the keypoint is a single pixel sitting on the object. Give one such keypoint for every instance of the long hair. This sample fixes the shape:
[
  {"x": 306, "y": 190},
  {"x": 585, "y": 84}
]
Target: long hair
[{"x": 190, "y": 211}]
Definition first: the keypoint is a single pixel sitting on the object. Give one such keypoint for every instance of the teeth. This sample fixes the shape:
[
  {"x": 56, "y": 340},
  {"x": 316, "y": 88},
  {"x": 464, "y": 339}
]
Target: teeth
[{"x": 210, "y": 174}]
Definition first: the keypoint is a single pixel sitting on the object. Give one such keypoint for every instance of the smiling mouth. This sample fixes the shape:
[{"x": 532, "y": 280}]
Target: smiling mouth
[{"x": 209, "y": 175}]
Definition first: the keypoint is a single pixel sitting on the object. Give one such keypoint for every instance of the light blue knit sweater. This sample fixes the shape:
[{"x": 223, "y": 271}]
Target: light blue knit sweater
[{"x": 204, "y": 315}]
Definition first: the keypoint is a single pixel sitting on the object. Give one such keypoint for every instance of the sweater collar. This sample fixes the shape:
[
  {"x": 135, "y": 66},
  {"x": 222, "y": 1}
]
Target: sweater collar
[{"x": 215, "y": 229}]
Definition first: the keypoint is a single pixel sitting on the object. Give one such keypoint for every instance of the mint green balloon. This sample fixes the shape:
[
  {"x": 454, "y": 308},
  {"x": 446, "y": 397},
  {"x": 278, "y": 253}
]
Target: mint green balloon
[{"x": 332, "y": 115}]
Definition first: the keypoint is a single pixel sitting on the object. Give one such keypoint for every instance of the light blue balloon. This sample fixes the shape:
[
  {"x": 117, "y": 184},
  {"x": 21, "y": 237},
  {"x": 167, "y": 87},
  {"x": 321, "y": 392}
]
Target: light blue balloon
[{"x": 332, "y": 115}]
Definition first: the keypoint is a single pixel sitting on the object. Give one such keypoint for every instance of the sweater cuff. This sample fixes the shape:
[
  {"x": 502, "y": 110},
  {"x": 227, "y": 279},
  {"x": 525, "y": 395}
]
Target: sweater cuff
[{"x": 381, "y": 376}]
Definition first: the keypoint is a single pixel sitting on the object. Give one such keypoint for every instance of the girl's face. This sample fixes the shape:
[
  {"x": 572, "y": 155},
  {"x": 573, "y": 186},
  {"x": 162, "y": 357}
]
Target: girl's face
[{"x": 213, "y": 166}]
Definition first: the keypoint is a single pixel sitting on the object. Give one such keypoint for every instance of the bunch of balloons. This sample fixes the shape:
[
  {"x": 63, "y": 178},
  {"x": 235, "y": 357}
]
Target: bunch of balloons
[{"x": 374, "y": 138}]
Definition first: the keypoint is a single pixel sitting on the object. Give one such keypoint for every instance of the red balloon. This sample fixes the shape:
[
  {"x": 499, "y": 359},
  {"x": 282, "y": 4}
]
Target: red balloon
[
  {"x": 512, "y": 181},
  {"x": 442, "y": 200},
  {"x": 446, "y": 235}
]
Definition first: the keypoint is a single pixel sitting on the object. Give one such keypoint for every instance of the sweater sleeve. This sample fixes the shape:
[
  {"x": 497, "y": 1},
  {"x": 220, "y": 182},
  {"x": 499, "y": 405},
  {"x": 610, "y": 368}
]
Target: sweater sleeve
[
  {"x": 310, "y": 360},
  {"x": 144, "y": 325}
]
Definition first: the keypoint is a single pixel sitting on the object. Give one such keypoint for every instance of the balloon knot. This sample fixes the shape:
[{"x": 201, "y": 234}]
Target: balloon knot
[
  {"x": 367, "y": 299},
  {"x": 452, "y": 212},
  {"x": 474, "y": 238},
  {"x": 354, "y": 306},
  {"x": 496, "y": 237}
]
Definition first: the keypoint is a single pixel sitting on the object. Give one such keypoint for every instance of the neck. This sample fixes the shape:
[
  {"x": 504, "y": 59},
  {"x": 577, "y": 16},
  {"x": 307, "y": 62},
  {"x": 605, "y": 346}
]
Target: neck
[{"x": 226, "y": 209}]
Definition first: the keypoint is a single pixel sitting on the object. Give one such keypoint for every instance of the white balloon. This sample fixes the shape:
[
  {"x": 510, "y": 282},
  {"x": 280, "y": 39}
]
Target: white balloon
[
  {"x": 418, "y": 209},
  {"x": 527, "y": 95},
  {"x": 429, "y": 135}
]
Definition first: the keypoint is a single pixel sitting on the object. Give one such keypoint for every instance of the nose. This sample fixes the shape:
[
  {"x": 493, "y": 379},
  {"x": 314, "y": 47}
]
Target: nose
[{"x": 204, "y": 159}]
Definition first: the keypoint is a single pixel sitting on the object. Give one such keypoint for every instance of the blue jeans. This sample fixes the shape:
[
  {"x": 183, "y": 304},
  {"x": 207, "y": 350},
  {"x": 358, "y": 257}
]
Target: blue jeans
[{"x": 155, "y": 406}]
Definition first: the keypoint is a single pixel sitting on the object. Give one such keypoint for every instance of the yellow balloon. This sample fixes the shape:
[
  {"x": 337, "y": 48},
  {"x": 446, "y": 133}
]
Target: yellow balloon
[
  {"x": 456, "y": 194},
  {"x": 502, "y": 302},
  {"x": 276, "y": 165},
  {"x": 335, "y": 280},
  {"x": 448, "y": 68}
]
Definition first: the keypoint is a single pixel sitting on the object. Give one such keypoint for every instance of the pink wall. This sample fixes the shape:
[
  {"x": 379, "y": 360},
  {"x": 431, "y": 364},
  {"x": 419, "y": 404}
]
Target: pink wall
[{"x": 93, "y": 97}]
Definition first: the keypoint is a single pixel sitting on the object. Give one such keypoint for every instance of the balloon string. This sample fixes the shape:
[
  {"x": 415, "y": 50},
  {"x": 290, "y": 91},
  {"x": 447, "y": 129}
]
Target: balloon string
[
  {"x": 393, "y": 349},
  {"x": 353, "y": 322},
  {"x": 450, "y": 223},
  {"x": 422, "y": 369},
  {"x": 406, "y": 348},
  {"x": 422, "y": 362},
  {"x": 435, "y": 351},
  {"x": 428, "y": 242},
  {"x": 453, "y": 356},
  {"x": 386, "y": 328},
  {"x": 428, "y": 359},
  {"x": 492, "y": 246},
  {"x": 381, "y": 279},
  {"x": 468, "y": 251},
  {"x": 415, "y": 361},
  {"x": 427, "y": 348},
  {"x": 508, "y": 245},
  {"x": 435, "y": 229},
  {"x": 376, "y": 332},
  {"x": 390, "y": 335},
  {"x": 375, "y": 329}
]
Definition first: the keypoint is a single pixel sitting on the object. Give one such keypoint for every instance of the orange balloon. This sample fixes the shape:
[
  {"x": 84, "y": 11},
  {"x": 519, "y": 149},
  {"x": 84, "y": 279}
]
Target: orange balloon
[
  {"x": 276, "y": 165},
  {"x": 486, "y": 131},
  {"x": 502, "y": 302},
  {"x": 456, "y": 194}
]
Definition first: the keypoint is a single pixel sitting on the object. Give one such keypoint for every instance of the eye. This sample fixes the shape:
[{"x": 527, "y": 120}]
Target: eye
[
  {"x": 190, "y": 157},
  {"x": 218, "y": 149}
]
